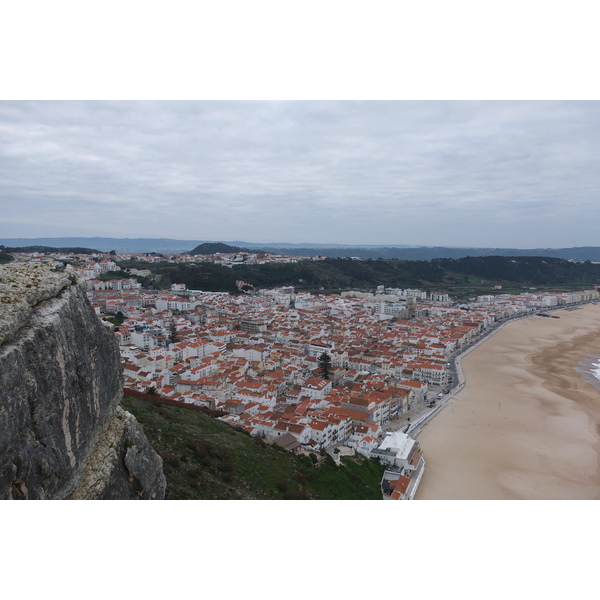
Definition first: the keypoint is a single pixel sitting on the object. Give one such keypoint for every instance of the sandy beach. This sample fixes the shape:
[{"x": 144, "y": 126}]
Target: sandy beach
[{"x": 526, "y": 425}]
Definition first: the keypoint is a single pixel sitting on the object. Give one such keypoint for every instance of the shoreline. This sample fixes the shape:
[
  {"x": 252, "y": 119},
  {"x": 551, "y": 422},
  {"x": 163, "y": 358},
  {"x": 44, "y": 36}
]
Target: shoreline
[
  {"x": 525, "y": 424},
  {"x": 584, "y": 368}
]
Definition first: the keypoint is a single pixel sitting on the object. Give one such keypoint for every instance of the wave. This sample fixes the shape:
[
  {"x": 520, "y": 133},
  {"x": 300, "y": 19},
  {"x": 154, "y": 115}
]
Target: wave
[{"x": 595, "y": 370}]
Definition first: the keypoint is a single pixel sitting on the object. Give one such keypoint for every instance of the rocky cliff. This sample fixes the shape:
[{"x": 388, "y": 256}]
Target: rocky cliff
[{"x": 62, "y": 432}]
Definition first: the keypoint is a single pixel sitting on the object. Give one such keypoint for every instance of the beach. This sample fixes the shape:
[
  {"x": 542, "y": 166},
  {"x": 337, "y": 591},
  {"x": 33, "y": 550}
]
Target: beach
[{"x": 526, "y": 425}]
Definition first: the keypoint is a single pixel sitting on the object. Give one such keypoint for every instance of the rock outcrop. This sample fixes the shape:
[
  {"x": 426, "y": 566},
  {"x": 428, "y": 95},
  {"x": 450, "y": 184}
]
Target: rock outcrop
[{"x": 62, "y": 432}]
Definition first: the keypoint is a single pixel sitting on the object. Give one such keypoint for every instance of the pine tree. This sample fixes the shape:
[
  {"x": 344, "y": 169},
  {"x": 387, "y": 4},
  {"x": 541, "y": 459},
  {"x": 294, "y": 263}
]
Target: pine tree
[
  {"x": 172, "y": 333},
  {"x": 325, "y": 364}
]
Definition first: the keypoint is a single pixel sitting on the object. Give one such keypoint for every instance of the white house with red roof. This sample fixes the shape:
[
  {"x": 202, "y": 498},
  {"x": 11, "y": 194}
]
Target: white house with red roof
[
  {"x": 420, "y": 388},
  {"x": 316, "y": 388},
  {"x": 405, "y": 462}
]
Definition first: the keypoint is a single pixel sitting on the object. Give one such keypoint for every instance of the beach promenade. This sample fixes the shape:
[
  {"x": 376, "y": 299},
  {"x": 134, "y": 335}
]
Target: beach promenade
[{"x": 525, "y": 426}]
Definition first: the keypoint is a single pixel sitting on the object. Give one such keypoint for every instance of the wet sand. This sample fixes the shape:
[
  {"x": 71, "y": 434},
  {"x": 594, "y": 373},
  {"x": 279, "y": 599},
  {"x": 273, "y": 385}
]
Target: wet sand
[{"x": 526, "y": 425}]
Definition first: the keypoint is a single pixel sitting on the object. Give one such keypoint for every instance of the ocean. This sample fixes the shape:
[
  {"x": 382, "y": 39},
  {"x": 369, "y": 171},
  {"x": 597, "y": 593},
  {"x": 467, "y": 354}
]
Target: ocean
[
  {"x": 595, "y": 369},
  {"x": 589, "y": 369}
]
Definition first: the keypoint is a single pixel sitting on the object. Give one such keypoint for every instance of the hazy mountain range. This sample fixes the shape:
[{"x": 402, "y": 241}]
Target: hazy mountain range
[{"x": 399, "y": 251}]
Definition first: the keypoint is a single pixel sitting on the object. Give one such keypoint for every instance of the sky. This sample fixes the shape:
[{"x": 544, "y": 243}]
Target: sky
[{"x": 520, "y": 174}]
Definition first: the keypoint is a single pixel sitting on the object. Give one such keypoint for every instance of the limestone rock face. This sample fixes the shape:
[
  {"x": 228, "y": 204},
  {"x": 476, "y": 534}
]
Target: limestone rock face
[{"x": 62, "y": 432}]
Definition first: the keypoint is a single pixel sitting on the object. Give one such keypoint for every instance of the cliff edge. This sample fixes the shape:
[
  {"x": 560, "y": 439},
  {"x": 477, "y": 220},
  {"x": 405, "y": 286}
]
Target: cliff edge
[{"x": 63, "y": 434}]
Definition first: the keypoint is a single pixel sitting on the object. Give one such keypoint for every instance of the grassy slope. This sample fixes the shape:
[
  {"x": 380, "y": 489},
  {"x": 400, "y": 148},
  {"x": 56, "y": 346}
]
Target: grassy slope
[{"x": 207, "y": 459}]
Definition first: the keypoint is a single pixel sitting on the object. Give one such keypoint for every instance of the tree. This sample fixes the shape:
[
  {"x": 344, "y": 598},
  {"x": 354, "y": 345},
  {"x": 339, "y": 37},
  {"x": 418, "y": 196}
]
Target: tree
[
  {"x": 325, "y": 364},
  {"x": 117, "y": 319}
]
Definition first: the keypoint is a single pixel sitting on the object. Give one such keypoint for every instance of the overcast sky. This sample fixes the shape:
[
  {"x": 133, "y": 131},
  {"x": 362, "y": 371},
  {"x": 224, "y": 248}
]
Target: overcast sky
[{"x": 489, "y": 174}]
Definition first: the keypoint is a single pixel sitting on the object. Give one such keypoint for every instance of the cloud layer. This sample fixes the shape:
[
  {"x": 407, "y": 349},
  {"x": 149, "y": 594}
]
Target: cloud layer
[{"x": 503, "y": 174}]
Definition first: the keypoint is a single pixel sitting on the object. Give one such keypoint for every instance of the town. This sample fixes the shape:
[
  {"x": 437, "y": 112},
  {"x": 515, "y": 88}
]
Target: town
[{"x": 312, "y": 373}]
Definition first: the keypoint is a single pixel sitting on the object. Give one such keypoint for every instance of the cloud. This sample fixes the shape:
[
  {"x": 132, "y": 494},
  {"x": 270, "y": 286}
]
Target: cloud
[{"x": 432, "y": 173}]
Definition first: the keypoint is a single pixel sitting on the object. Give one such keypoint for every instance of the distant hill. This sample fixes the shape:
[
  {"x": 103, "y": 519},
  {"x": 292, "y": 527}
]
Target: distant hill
[
  {"x": 214, "y": 247},
  {"x": 398, "y": 251},
  {"x": 433, "y": 252},
  {"x": 119, "y": 245},
  {"x": 42, "y": 249}
]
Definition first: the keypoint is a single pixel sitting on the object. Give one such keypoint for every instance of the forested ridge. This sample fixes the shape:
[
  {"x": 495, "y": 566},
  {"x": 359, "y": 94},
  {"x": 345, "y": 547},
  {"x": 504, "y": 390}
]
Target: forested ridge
[
  {"x": 343, "y": 273},
  {"x": 524, "y": 269}
]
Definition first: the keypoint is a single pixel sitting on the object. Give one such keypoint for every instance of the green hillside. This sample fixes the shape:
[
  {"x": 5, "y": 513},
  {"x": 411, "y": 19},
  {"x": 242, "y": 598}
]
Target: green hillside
[
  {"x": 462, "y": 276},
  {"x": 528, "y": 270},
  {"x": 205, "y": 459}
]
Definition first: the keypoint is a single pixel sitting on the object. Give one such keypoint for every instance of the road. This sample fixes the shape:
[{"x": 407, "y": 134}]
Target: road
[{"x": 413, "y": 420}]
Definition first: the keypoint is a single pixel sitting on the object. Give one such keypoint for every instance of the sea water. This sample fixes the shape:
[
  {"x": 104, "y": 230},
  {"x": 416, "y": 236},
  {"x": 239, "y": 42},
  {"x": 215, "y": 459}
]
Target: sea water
[
  {"x": 589, "y": 369},
  {"x": 595, "y": 370}
]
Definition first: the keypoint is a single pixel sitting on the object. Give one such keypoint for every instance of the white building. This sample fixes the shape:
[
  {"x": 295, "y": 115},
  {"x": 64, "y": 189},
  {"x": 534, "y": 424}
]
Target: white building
[
  {"x": 406, "y": 465},
  {"x": 316, "y": 388}
]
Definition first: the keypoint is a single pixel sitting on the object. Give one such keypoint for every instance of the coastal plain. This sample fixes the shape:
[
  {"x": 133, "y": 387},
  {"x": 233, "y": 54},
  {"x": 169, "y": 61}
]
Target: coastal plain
[{"x": 525, "y": 426}]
